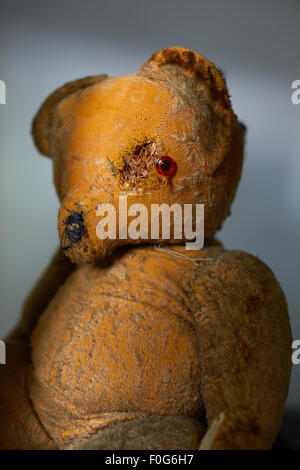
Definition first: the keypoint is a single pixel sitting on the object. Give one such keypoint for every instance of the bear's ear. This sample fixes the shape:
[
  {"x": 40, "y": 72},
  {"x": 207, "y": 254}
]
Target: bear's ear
[
  {"x": 203, "y": 88},
  {"x": 42, "y": 122}
]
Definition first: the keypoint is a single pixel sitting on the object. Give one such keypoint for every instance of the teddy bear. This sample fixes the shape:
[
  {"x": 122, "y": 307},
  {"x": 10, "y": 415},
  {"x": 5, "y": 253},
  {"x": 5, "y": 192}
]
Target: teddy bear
[{"x": 146, "y": 342}]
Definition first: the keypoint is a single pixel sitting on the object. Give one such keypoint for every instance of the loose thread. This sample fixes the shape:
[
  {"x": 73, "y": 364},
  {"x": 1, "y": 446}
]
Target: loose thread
[{"x": 180, "y": 255}]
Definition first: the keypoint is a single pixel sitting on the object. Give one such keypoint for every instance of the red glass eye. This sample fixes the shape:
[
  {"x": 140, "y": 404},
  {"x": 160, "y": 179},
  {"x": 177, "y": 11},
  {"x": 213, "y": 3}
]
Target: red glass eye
[{"x": 165, "y": 166}]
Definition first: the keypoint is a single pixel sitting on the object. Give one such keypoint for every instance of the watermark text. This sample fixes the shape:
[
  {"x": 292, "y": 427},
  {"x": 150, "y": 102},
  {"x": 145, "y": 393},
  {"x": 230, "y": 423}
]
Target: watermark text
[
  {"x": 2, "y": 352},
  {"x": 296, "y": 353},
  {"x": 188, "y": 222},
  {"x": 2, "y": 92},
  {"x": 295, "y": 97}
]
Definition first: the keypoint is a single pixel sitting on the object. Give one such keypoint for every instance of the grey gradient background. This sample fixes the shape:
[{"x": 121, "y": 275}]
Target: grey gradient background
[{"x": 256, "y": 43}]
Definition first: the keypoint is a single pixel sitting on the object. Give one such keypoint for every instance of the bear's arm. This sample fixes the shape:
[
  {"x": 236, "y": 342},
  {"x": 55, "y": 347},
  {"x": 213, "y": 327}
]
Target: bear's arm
[
  {"x": 46, "y": 287},
  {"x": 19, "y": 426},
  {"x": 241, "y": 317}
]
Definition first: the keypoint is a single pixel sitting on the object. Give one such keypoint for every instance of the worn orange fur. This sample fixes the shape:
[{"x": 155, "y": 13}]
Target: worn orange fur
[{"x": 134, "y": 346}]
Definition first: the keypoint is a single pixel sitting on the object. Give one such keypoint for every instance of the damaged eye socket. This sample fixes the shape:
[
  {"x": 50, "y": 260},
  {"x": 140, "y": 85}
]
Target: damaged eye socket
[{"x": 165, "y": 166}]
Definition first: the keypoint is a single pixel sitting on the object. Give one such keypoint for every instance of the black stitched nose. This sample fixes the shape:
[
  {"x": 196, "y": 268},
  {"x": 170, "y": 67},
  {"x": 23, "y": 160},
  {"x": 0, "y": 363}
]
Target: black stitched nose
[{"x": 75, "y": 227}]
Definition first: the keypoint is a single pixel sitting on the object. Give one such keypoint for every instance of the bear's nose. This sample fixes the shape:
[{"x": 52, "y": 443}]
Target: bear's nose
[{"x": 75, "y": 227}]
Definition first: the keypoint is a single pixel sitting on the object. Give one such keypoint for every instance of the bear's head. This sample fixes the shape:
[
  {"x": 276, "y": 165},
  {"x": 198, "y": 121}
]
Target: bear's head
[{"x": 165, "y": 135}]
